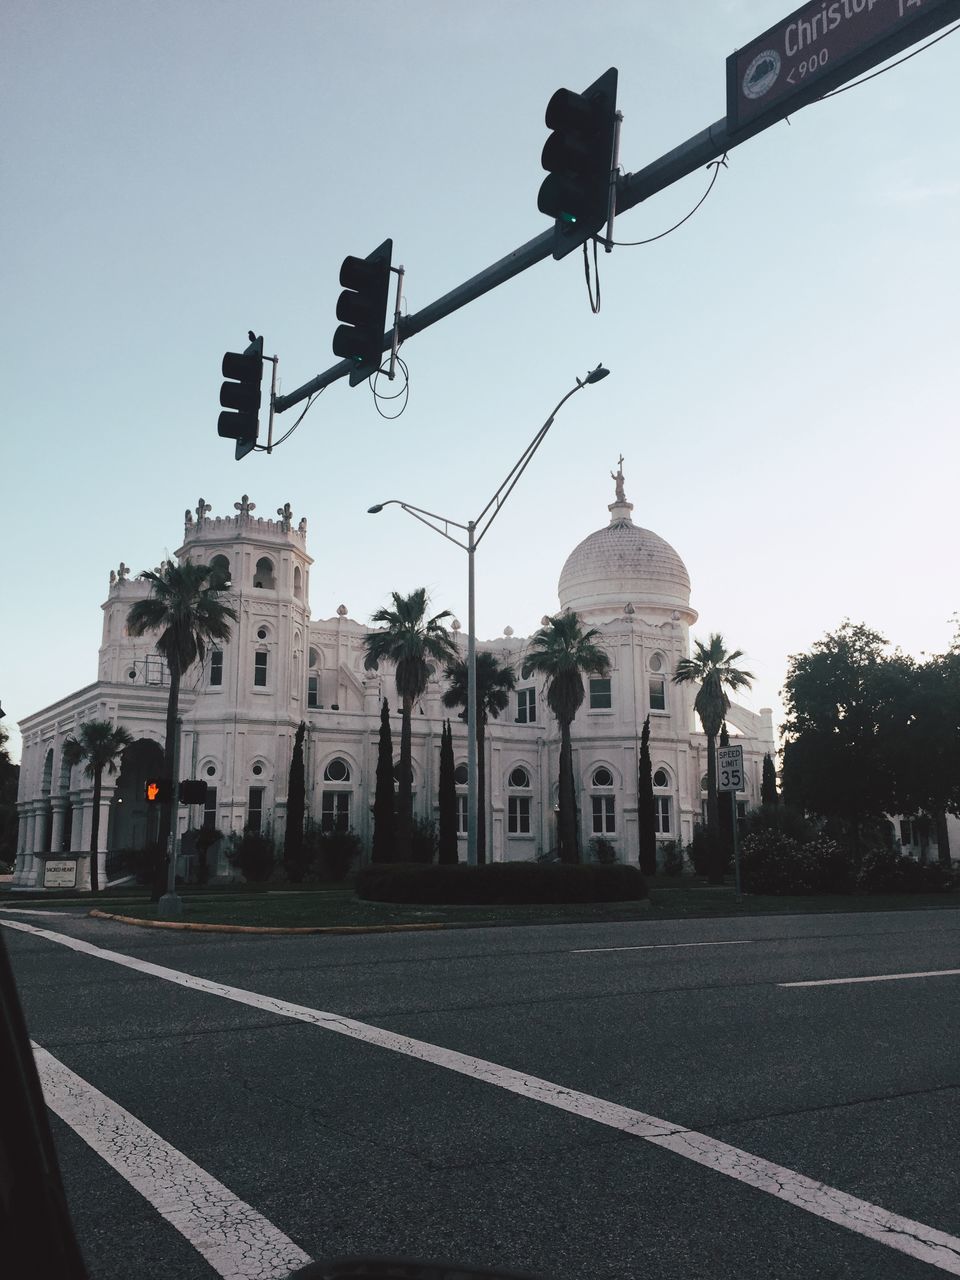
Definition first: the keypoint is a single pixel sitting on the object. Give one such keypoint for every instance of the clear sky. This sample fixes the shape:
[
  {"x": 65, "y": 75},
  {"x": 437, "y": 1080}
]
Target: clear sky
[{"x": 784, "y": 366}]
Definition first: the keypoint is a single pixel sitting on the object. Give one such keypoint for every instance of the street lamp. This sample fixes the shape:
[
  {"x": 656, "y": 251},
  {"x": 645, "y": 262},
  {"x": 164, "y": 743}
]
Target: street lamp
[{"x": 475, "y": 530}]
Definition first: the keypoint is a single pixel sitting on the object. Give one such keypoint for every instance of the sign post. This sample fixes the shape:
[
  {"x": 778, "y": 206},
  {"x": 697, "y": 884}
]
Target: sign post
[
  {"x": 730, "y": 778},
  {"x": 818, "y": 47}
]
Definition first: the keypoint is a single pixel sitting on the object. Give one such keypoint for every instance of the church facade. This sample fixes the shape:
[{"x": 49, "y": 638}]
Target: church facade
[{"x": 240, "y": 710}]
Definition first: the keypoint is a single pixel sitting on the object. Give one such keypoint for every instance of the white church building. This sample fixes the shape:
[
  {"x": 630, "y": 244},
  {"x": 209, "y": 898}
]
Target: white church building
[{"x": 240, "y": 711}]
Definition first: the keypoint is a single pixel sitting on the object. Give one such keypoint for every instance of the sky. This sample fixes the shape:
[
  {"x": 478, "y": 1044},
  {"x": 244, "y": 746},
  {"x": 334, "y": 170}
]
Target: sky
[{"x": 783, "y": 366}]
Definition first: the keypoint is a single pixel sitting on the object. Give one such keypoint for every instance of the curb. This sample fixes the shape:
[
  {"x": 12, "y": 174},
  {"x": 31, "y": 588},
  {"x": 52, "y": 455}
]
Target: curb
[{"x": 263, "y": 929}]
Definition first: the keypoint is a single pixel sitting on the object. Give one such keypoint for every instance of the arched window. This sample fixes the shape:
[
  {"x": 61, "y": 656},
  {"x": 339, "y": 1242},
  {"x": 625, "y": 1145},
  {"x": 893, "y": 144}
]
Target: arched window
[
  {"x": 297, "y": 582},
  {"x": 460, "y": 776},
  {"x": 336, "y": 798},
  {"x": 220, "y": 575},
  {"x": 263, "y": 575},
  {"x": 313, "y": 678},
  {"x": 519, "y": 802},
  {"x": 662, "y": 802},
  {"x": 603, "y": 803}
]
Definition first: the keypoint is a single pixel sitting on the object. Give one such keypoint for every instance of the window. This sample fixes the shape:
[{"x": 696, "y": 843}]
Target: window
[
  {"x": 313, "y": 690},
  {"x": 255, "y": 809},
  {"x": 519, "y": 777},
  {"x": 337, "y": 771},
  {"x": 600, "y": 696},
  {"x": 210, "y": 809},
  {"x": 220, "y": 573},
  {"x": 656, "y": 662},
  {"x": 260, "y": 669},
  {"x": 518, "y": 815},
  {"x": 661, "y": 778},
  {"x": 216, "y": 666},
  {"x": 526, "y": 706},
  {"x": 658, "y": 694},
  {"x": 602, "y": 777},
  {"x": 460, "y": 775},
  {"x": 462, "y": 817},
  {"x": 263, "y": 575},
  {"x": 661, "y": 815},
  {"x": 335, "y": 811},
  {"x": 604, "y": 817},
  {"x": 907, "y": 832}
]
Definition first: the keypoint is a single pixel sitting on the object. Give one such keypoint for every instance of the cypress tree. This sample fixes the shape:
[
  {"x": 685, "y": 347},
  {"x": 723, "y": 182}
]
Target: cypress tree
[
  {"x": 645, "y": 810},
  {"x": 296, "y": 801},
  {"x": 447, "y": 799},
  {"x": 384, "y": 800},
  {"x": 768, "y": 785}
]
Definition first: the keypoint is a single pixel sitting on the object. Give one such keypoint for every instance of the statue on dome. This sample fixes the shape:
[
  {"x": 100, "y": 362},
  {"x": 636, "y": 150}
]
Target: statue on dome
[
  {"x": 617, "y": 477},
  {"x": 203, "y": 509},
  {"x": 286, "y": 516},
  {"x": 244, "y": 506}
]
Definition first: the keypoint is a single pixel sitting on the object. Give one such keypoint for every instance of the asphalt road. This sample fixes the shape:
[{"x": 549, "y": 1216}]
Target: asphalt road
[{"x": 348, "y": 1145}]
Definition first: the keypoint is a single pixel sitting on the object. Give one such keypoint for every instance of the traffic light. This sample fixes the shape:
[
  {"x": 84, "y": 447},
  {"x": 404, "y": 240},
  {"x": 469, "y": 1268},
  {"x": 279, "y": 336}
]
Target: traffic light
[
  {"x": 158, "y": 791},
  {"x": 241, "y": 394},
  {"x": 578, "y": 157},
  {"x": 363, "y": 307},
  {"x": 192, "y": 792}
]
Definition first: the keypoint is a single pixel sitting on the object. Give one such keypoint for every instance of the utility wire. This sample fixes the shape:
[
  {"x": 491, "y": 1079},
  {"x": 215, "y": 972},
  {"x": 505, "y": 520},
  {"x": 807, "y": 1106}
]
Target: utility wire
[{"x": 855, "y": 84}]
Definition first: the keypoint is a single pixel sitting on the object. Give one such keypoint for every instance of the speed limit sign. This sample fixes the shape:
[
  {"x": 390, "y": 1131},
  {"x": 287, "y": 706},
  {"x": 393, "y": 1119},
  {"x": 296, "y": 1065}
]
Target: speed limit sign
[{"x": 730, "y": 769}]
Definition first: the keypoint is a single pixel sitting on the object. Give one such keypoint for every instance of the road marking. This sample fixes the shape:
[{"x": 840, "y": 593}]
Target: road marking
[
  {"x": 236, "y": 1240},
  {"x": 663, "y": 946},
  {"x": 28, "y": 911},
  {"x": 924, "y": 1243},
  {"x": 877, "y": 977}
]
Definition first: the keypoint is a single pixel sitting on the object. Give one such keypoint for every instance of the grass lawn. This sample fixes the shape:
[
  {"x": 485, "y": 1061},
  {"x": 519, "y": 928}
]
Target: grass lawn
[{"x": 337, "y": 907}]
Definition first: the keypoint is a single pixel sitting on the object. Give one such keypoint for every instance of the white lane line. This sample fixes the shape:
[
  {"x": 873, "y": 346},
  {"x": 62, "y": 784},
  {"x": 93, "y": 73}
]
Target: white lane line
[
  {"x": 877, "y": 977},
  {"x": 28, "y": 911},
  {"x": 236, "y": 1240},
  {"x": 663, "y": 946},
  {"x": 919, "y": 1241}
]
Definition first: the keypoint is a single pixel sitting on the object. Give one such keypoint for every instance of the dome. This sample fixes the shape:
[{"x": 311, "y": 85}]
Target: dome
[{"x": 623, "y": 564}]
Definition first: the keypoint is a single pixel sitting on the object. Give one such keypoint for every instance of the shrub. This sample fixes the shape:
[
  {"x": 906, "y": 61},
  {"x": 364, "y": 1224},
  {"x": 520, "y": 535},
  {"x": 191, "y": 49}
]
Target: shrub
[
  {"x": 884, "y": 871},
  {"x": 699, "y": 851},
  {"x": 424, "y": 842},
  {"x": 672, "y": 858},
  {"x": 255, "y": 855},
  {"x": 336, "y": 851},
  {"x": 771, "y": 862},
  {"x": 779, "y": 817},
  {"x": 501, "y": 882},
  {"x": 602, "y": 851}
]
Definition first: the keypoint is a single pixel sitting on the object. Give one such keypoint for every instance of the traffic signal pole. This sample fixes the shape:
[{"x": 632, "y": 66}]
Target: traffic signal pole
[{"x": 632, "y": 189}]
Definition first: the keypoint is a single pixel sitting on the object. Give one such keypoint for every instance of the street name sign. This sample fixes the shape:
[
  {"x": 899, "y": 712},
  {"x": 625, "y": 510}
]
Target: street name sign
[
  {"x": 730, "y": 769},
  {"x": 818, "y": 47}
]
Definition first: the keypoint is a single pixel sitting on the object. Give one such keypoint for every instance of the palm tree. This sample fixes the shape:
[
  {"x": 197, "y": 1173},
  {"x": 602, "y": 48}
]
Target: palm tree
[
  {"x": 414, "y": 644},
  {"x": 186, "y": 607},
  {"x": 712, "y": 668},
  {"x": 100, "y": 745},
  {"x": 563, "y": 652},
  {"x": 495, "y": 683}
]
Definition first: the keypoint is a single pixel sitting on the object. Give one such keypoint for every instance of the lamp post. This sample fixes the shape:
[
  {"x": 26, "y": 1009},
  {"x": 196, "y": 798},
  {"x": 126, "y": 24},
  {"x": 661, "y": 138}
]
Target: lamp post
[{"x": 474, "y": 531}]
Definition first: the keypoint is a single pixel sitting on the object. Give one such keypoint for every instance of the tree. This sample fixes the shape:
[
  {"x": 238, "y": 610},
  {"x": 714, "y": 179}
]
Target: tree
[
  {"x": 447, "y": 799},
  {"x": 849, "y": 707},
  {"x": 98, "y": 746},
  {"x": 185, "y": 606},
  {"x": 414, "y": 644},
  {"x": 384, "y": 799},
  {"x": 646, "y": 816},
  {"x": 495, "y": 683},
  {"x": 712, "y": 667},
  {"x": 9, "y": 781},
  {"x": 296, "y": 802},
  {"x": 563, "y": 653},
  {"x": 768, "y": 784}
]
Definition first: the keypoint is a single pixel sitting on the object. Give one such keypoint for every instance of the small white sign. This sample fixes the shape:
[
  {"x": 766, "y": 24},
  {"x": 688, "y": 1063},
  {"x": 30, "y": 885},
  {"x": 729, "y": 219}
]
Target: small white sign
[
  {"x": 730, "y": 769},
  {"x": 60, "y": 873}
]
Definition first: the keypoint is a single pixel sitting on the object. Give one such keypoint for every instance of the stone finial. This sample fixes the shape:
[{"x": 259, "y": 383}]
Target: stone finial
[
  {"x": 188, "y": 517},
  {"x": 202, "y": 511},
  {"x": 245, "y": 506},
  {"x": 113, "y": 577},
  {"x": 342, "y": 610},
  {"x": 628, "y": 609},
  {"x": 123, "y": 572},
  {"x": 455, "y": 625},
  {"x": 545, "y": 620},
  {"x": 508, "y": 632},
  {"x": 286, "y": 516},
  {"x": 302, "y": 526}
]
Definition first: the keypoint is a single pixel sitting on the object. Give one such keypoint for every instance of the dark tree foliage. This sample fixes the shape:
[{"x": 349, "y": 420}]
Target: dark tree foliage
[
  {"x": 447, "y": 799},
  {"x": 9, "y": 779},
  {"x": 645, "y": 810},
  {"x": 848, "y": 706},
  {"x": 296, "y": 799},
  {"x": 768, "y": 784},
  {"x": 98, "y": 746},
  {"x": 384, "y": 803}
]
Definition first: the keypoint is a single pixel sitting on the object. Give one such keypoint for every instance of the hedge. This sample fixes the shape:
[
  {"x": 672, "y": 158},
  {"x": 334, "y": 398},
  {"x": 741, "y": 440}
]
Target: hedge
[{"x": 500, "y": 883}]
